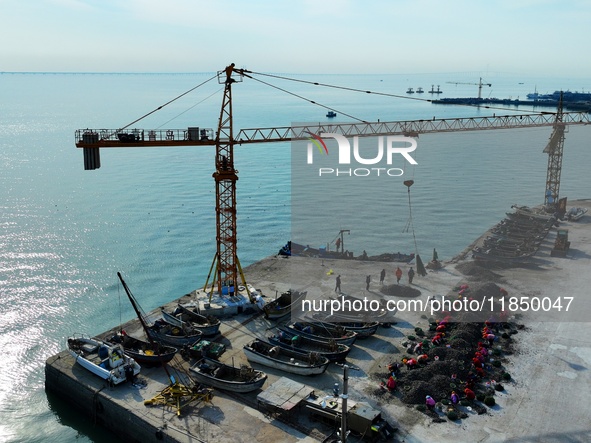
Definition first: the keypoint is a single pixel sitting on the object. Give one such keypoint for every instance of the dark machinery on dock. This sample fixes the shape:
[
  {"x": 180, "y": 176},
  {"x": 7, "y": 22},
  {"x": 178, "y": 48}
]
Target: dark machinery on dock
[
  {"x": 227, "y": 265},
  {"x": 561, "y": 244}
]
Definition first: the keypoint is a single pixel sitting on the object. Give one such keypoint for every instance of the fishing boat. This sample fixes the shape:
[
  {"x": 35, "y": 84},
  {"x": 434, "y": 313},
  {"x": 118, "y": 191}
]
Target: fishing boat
[
  {"x": 142, "y": 351},
  {"x": 288, "y": 360},
  {"x": 331, "y": 114},
  {"x": 105, "y": 360},
  {"x": 530, "y": 212},
  {"x": 419, "y": 90},
  {"x": 282, "y": 305},
  {"x": 319, "y": 332},
  {"x": 168, "y": 334},
  {"x": 330, "y": 349},
  {"x": 410, "y": 91},
  {"x": 363, "y": 329},
  {"x": 207, "y": 324},
  {"x": 228, "y": 378}
]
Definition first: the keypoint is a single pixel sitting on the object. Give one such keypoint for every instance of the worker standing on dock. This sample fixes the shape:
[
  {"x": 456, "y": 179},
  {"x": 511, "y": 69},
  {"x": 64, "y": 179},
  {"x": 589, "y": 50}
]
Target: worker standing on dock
[
  {"x": 411, "y": 274},
  {"x": 367, "y": 281},
  {"x": 398, "y": 274},
  {"x": 337, "y": 287},
  {"x": 382, "y": 276}
]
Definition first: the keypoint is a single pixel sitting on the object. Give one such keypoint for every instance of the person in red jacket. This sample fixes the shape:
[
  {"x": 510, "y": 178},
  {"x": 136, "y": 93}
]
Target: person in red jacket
[
  {"x": 391, "y": 384},
  {"x": 470, "y": 395}
]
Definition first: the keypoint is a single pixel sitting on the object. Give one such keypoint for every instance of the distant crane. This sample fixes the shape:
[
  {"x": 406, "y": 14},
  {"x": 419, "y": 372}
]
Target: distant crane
[
  {"x": 479, "y": 84},
  {"x": 227, "y": 266}
]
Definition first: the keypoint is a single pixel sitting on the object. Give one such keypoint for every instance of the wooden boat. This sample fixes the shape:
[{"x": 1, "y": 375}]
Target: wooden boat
[
  {"x": 178, "y": 336},
  {"x": 288, "y": 360},
  {"x": 228, "y": 378},
  {"x": 281, "y": 306},
  {"x": 289, "y": 340},
  {"x": 530, "y": 212},
  {"x": 319, "y": 332},
  {"x": 363, "y": 329},
  {"x": 105, "y": 360},
  {"x": 207, "y": 324},
  {"x": 142, "y": 351}
]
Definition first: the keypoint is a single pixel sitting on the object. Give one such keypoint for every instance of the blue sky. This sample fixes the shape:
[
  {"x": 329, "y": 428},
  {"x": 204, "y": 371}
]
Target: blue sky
[{"x": 542, "y": 37}]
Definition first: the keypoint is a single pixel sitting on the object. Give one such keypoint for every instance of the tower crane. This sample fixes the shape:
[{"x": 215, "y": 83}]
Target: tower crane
[
  {"x": 479, "y": 84},
  {"x": 227, "y": 265}
]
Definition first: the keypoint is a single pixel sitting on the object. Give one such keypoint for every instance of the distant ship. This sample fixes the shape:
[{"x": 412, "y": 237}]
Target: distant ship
[
  {"x": 331, "y": 114},
  {"x": 420, "y": 90},
  {"x": 433, "y": 91},
  {"x": 410, "y": 91}
]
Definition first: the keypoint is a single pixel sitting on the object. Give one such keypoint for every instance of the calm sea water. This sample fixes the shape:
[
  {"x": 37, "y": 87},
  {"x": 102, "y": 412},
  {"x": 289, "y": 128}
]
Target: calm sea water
[{"x": 149, "y": 213}]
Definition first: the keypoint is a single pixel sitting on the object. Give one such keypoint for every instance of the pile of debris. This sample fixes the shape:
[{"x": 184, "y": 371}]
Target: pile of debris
[
  {"x": 450, "y": 357},
  {"x": 400, "y": 291}
]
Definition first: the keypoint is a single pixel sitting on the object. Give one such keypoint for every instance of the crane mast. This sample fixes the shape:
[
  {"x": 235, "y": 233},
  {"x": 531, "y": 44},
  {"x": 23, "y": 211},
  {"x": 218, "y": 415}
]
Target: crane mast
[
  {"x": 554, "y": 149},
  {"x": 225, "y": 177}
]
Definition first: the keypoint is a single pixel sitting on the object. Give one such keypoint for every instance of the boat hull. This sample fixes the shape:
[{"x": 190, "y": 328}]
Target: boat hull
[
  {"x": 241, "y": 380},
  {"x": 346, "y": 338},
  {"x": 208, "y": 324},
  {"x": 363, "y": 330},
  {"x": 282, "y": 306},
  {"x": 116, "y": 368},
  {"x": 333, "y": 351},
  {"x": 207, "y": 330},
  {"x": 168, "y": 334},
  {"x": 142, "y": 352},
  {"x": 287, "y": 360}
]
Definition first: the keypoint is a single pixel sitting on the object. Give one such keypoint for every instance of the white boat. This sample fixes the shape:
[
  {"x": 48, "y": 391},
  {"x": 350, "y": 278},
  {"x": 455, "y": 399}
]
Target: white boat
[
  {"x": 107, "y": 361},
  {"x": 575, "y": 214},
  {"x": 287, "y": 360}
]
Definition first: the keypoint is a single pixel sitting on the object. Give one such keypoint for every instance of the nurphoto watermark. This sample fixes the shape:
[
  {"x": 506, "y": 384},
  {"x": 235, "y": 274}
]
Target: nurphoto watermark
[{"x": 369, "y": 158}]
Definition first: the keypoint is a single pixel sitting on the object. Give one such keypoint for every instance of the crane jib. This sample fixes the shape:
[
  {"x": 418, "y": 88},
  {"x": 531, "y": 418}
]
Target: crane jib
[{"x": 104, "y": 138}]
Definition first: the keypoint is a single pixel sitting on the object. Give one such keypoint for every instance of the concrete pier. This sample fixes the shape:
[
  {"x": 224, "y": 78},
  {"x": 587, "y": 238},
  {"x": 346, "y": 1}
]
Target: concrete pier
[{"x": 545, "y": 407}]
